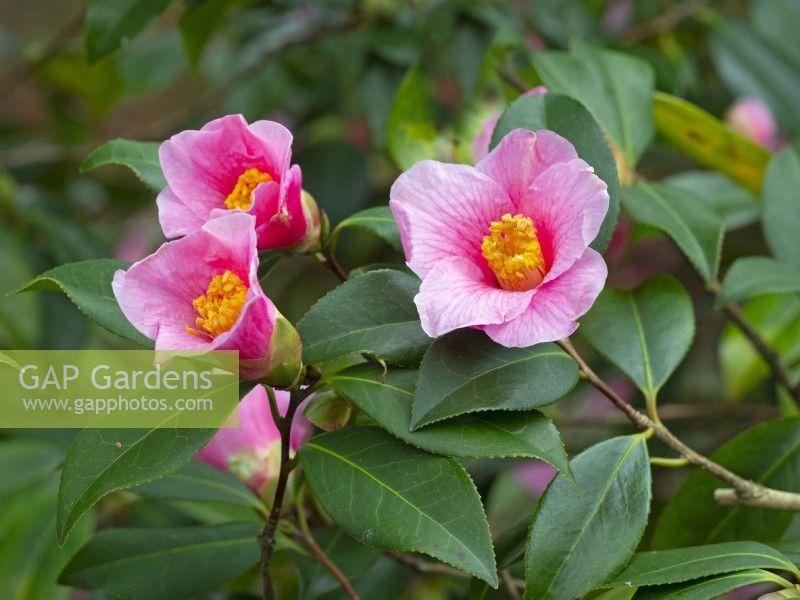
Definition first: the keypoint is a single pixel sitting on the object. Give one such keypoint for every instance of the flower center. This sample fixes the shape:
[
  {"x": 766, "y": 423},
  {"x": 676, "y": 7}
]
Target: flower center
[
  {"x": 242, "y": 195},
  {"x": 513, "y": 252},
  {"x": 220, "y": 306}
]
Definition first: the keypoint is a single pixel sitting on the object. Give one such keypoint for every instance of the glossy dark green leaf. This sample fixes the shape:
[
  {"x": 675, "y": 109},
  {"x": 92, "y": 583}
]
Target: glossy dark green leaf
[
  {"x": 491, "y": 434},
  {"x": 661, "y": 567},
  {"x": 373, "y": 313},
  {"x": 693, "y": 226},
  {"x": 579, "y": 539},
  {"x": 781, "y": 220},
  {"x": 377, "y": 220},
  {"x": 465, "y": 372},
  {"x": 757, "y": 276},
  {"x": 709, "y": 141},
  {"x": 733, "y": 204},
  {"x": 751, "y": 66},
  {"x": 645, "y": 331},
  {"x": 139, "y": 157},
  {"x": 88, "y": 285},
  {"x": 111, "y": 24},
  {"x": 100, "y": 461},
  {"x": 768, "y": 454},
  {"x": 395, "y": 497},
  {"x": 200, "y": 482},
  {"x": 713, "y": 587},
  {"x": 154, "y": 564},
  {"x": 570, "y": 119},
  {"x": 617, "y": 87}
]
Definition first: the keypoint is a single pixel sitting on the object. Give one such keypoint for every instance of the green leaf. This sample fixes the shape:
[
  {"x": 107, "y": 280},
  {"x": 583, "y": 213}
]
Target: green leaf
[
  {"x": 111, "y": 24},
  {"x": 781, "y": 220},
  {"x": 491, "y": 434},
  {"x": 683, "y": 564},
  {"x": 617, "y": 87},
  {"x": 31, "y": 557},
  {"x": 714, "y": 587},
  {"x": 200, "y": 482},
  {"x": 139, "y": 157},
  {"x": 152, "y": 564},
  {"x": 694, "y": 227},
  {"x": 88, "y": 285},
  {"x": 645, "y": 332},
  {"x": 198, "y": 24},
  {"x": 578, "y": 541},
  {"x": 411, "y": 133},
  {"x": 733, "y": 204},
  {"x": 372, "y": 313},
  {"x": 709, "y": 141},
  {"x": 788, "y": 548},
  {"x": 757, "y": 276},
  {"x": 768, "y": 454},
  {"x": 377, "y": 220},
  {"x": 466, "y": 372},
  {"x": 395, "y": 497},
  {"x": 570, "y": 119},
  {"x": 751, "y": 67},
  {"x": 101, "y": 461}
]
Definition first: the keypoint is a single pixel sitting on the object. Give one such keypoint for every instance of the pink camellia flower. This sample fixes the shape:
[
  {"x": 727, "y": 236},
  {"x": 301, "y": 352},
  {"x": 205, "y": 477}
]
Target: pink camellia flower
[
  {"x": 753, "y": 119},
  {"x": 503, "y": 246},
  {"x": 482, "y": 141},
  {"x": 229, "y": 165},
  {"x": 252, "y": 451},
  {"x": 202, "y": 293}
]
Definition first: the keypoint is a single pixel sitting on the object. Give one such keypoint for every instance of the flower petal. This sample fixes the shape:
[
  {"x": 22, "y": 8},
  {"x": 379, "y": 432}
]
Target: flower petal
[
  {"x": 156, "y": 293},
  {"x": 482, "y": 141},
  {"x": 176, "y": 218},
  {"x": 444, "y": 210},
  {"x": 456, "y": 294},
  {"x": 554, "y": 308},
  {"x": 521, "y": 156},
  {"x": 280, "y": 221},
  {"x": 204, "y": 165},
  {"x": 568, "y": 203}
]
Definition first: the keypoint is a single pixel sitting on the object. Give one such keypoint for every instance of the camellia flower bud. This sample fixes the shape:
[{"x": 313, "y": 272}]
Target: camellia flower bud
[
  {"x": 310, "y": 242},
  {"x": 753, "y": 119},
  {"x": 202, "y": 293},
  {"x": 504, "y": 246},
  {"x": 232, "y": 166},
  {"x": 482, "y": 141},
  {"x": 252, "y": 451}
]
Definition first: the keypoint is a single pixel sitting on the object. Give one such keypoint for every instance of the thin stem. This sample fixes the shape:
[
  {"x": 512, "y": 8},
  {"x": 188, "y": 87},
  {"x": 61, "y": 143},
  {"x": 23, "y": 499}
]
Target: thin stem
[
  {"x": 273, "y": 406},
  {"x": 319, "y": 554},
  {"x": 772, "y": 358},
  {"x": 669, "y": 463},
  {"x": 423, "y": 567},
  {"x": 652, "y": 407},
  {"x": 327, "y": 258},
  {"x": 267, "y": 538},
  {"x": 666, "y": 21},
  {"x": 744, "y": 491},
  {"x": 510, "y": 585}
]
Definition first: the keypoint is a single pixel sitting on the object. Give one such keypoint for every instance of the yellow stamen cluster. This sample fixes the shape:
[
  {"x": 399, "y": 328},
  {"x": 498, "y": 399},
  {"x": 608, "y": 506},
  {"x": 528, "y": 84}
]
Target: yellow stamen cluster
[
  {"x": 242, "y": 195},
  {"x": 220, "y": 306},
  {"x": 513, "y": 252}
]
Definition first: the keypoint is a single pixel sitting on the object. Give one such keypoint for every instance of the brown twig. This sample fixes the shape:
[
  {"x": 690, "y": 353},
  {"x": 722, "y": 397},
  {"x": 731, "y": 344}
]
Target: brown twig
[
  {"x": 424, "y": 567},
  {"x": 325, "y": 561},
  {"x": 743, "y": 490},
  {"x": 665, "y": 21},
  {"x": 772, "y": 358},
  {"x": 267, "y": 537}
]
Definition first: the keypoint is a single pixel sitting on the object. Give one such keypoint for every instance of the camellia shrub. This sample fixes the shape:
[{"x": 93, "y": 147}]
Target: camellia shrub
[{"x": 514, "y": 291}]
